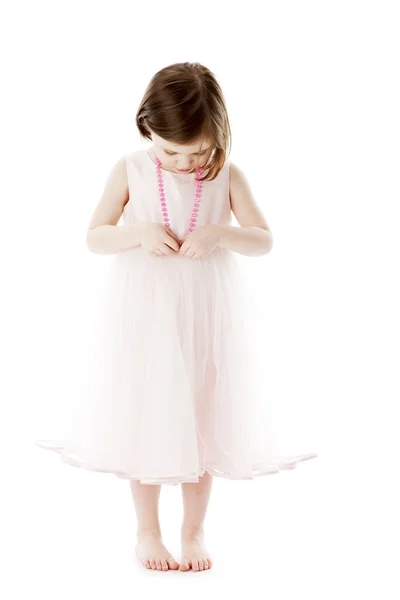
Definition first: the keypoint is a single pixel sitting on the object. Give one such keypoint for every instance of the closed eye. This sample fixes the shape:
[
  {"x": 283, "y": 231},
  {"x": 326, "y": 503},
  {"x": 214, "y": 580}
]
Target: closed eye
[{"x": 173, "y": 153}]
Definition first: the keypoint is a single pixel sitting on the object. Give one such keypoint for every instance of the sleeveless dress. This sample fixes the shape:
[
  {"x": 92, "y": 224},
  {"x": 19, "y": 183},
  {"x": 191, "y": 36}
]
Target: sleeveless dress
[{"x": 173, "y": 385}]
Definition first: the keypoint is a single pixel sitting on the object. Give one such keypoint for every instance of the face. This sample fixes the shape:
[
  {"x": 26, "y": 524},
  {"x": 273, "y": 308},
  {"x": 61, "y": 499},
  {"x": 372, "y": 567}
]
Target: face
[{"x": 181, "y": 158}]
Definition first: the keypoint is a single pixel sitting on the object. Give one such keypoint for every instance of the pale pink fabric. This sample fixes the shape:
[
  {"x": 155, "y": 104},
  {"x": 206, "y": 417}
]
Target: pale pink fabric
[{"x": 172, "y": 386}]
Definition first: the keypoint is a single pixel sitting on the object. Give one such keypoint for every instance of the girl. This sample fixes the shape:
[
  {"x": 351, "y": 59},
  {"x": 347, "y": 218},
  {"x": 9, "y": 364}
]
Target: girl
[{"x": 172, "y": 391}]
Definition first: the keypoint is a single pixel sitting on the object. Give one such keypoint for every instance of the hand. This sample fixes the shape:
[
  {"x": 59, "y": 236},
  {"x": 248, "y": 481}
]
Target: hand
[
  {"x": 158, "y": 240},
  {"x": 200, "y": 242}
]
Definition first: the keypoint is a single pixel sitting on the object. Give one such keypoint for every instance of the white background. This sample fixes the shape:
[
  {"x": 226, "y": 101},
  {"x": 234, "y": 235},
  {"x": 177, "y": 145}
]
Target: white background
[{"x": 312, "y": 91}]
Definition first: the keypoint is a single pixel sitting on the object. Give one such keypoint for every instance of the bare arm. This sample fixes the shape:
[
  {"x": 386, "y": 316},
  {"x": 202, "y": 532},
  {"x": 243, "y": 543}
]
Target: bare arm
[
  {"x": 254, "y": 236},
  {"x": 104, "y": 235}
]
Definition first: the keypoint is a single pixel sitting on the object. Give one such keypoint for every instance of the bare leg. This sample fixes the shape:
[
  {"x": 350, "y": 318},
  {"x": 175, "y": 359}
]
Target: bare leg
[
  {"x": 150, "y": 548},
  {"x": 195, "y": 502}
]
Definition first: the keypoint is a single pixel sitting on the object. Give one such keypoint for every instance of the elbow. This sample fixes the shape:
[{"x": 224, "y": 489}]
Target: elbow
[
  {"x": 269, "y": 241},
  {"x": 89, "y": 240}
]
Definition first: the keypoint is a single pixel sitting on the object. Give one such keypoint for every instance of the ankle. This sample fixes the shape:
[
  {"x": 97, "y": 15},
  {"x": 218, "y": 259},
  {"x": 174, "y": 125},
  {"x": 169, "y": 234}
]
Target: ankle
[
  {"x": 192, "y": 531},
  {"x": 150, "y": 532}
]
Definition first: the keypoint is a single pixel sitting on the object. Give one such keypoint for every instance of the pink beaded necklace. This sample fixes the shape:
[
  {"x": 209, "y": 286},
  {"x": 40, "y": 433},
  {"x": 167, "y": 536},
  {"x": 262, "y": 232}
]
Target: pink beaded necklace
[{"x": 197, "y": 196}]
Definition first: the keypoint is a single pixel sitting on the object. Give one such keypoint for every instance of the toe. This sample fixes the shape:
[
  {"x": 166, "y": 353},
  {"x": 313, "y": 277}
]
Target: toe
[
  {"x": 148, "y": 565},
  {"x": 159, "y": 566},
  {"x": 201, "y": 566},
  {"x": 205, "y": 563},
  {"x": 153, "y": 564},
  {"x": 195, "y": 565},
  {"x": 172, "y": 563},
  {"x": 164, "y": 565},
  {"x": 184, "y": 566}
]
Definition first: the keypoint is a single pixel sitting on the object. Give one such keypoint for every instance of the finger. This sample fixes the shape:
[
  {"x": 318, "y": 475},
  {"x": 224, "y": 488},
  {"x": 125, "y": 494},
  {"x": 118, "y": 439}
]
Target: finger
[
  {"x": 172, "y": 234},
  {"x": 156, "y": 252},
  {"x": 167, "y": 250},
  {"x": 172, "y": 242}
]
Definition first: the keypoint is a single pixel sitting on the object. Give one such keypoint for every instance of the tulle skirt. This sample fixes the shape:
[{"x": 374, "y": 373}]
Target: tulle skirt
[{"x": 174, "y": 382}]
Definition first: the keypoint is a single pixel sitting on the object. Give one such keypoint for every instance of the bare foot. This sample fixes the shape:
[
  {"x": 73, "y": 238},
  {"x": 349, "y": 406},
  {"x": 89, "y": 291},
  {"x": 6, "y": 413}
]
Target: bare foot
[
  {"x": 194, "y": 552},
  {"x": 153, "y": 554}
]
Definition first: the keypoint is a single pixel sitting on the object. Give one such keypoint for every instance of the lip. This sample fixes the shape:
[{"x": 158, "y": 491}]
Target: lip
[{"x": 185, "y": 170}]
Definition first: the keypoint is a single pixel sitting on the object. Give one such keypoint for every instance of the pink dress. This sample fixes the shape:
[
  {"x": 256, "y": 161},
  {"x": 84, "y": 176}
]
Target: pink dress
[{"x": 173, "y": 384}]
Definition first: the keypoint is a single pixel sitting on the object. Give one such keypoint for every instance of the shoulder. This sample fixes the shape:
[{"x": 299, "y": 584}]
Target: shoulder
[
  {"x": 119, "y": 168},
  {"x": 122, "y": 169},
  {"x": 243, "y": 203},
  {"x": 117, "y": 177},
  {"x": 234, "y": 171},
  {"x": 237, "y": 178}
]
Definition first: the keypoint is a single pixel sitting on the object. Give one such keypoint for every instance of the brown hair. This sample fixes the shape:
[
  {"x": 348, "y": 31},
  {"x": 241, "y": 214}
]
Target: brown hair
[{"x": 183, "y": 103}]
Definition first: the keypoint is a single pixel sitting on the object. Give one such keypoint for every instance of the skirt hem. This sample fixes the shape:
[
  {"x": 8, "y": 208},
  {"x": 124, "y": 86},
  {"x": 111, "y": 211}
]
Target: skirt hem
[{"x": 275, "y": 465}]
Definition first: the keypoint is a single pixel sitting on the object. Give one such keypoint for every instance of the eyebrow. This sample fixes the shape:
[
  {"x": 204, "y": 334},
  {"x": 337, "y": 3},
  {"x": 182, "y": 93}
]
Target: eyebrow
[{"x": 204, "y": 149}]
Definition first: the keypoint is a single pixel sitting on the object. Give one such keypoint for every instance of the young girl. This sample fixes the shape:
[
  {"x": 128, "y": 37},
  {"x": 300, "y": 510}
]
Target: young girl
[{"x": 173, "y": 392}]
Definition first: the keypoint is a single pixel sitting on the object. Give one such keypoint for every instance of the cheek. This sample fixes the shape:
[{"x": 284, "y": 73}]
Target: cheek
[{"x": 205, "y": 159}]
